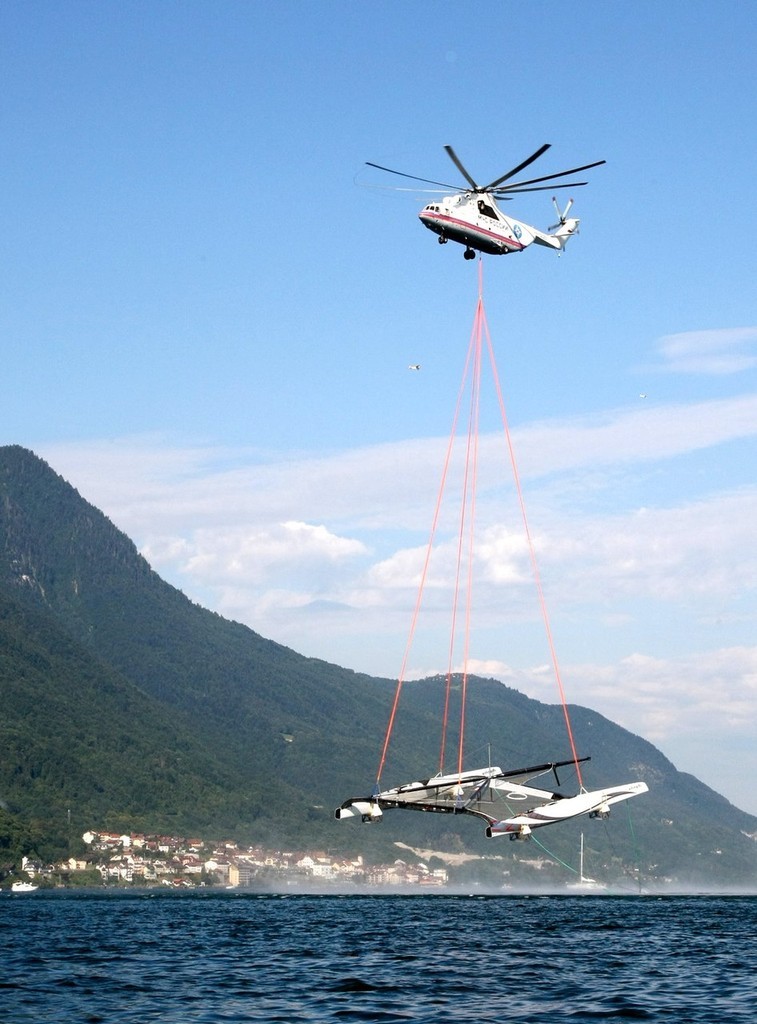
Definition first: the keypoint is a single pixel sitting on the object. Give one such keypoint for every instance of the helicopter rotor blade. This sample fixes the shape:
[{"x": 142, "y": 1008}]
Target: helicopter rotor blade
[
  {"x": 550, "y": 177},
  {"x": 413, "y": 177},
  {"x": 419, "y": 193},
  {"x": 514, "y": 191},
  {"x": 518, "y": 169},
  {"x": 456, "y": 161}
]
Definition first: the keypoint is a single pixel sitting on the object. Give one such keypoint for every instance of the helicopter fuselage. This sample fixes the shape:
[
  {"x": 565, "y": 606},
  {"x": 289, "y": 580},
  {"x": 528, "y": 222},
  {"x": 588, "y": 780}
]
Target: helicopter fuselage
[{"x": 475, "y": 221}]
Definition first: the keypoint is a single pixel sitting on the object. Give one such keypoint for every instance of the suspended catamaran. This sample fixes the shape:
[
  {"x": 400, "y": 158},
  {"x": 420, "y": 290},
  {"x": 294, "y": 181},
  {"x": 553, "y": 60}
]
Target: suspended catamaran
[
  {"x": 511, "y": 801},
  {"x": 493, "y": 794}
]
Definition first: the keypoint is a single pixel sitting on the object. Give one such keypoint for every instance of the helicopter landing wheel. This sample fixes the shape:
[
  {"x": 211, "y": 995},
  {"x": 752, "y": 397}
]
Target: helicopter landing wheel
[
  {"x": 442, "y": 240},
  {"x": 469, "y": 254}
]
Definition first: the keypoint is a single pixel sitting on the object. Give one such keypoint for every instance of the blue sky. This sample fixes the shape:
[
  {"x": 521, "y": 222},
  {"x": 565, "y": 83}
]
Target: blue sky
[{"x": 207, "y": 318}]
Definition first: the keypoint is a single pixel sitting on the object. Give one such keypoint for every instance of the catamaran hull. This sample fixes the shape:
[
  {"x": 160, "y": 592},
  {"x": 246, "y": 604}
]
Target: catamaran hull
[{"x": 595, "y": 804}]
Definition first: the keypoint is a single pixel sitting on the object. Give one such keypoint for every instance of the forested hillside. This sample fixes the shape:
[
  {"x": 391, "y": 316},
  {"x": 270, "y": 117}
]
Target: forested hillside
[{"x": 125, "y": 705}]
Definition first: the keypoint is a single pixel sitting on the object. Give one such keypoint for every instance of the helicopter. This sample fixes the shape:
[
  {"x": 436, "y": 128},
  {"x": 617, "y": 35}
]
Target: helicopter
[{"x": 471, "y": 216}]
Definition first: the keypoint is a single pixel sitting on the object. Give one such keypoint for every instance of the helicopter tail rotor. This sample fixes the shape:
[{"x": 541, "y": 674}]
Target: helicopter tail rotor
[{"x": 562, "y": 215}]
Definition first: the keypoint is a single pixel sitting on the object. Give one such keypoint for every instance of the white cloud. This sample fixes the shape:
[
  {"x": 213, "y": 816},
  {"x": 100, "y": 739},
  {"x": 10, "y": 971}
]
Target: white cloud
[
  {"x": 701, "y": 709},
  {"x": 403, "y": 569},
  {"x": 503, "y": 555},
  {"x": 144, "y": 482},
  {"x": 221, "y": 521},
  {"x": 640, "y": 434},
  {"x": 253, "y": 555},
  {"x": 333, "y": 526},
  {"x": 721, "y": 351},
  {"x": 707, "y": 547},
  {"x": 698, "y": 694}
]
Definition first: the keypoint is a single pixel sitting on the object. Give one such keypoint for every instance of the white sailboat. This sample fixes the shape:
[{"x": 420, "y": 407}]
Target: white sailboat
[{"x": 585, "y": 884}]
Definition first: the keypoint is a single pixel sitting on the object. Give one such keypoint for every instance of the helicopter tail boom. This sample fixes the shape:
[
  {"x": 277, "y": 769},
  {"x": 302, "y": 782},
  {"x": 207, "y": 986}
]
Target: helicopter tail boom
[{"x": 565, "y": 230}]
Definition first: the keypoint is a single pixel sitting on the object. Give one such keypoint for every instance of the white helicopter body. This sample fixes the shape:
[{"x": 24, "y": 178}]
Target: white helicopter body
[
  {"x": 476, "y": 222},
  {"x": 471, "y": 216}
]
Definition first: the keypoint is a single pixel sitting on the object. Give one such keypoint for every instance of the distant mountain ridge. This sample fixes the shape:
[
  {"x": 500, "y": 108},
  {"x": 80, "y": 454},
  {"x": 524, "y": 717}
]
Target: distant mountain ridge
[{"x": 126, "y": 705}]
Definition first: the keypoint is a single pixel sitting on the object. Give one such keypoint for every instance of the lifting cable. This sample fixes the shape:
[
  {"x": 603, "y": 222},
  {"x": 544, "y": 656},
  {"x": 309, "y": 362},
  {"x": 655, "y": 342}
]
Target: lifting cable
[{"x": 467, "y": 516}]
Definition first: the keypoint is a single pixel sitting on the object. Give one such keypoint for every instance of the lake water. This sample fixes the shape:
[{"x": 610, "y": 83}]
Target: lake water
[{"x": 239, "y": 956}]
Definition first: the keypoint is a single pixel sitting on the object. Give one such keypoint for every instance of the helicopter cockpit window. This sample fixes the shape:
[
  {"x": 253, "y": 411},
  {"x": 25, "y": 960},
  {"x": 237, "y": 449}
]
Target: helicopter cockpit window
[{"x": 486, "y": 210}]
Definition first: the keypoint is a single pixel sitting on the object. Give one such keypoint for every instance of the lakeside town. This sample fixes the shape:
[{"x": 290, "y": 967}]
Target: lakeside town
[
  {"x": 119, "y": 860},
  {"x": 185, "y": 863}
]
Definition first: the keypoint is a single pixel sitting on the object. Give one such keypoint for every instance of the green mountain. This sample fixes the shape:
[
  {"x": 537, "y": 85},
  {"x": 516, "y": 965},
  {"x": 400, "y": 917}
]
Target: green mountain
[{"x": 123, "y": 705}]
